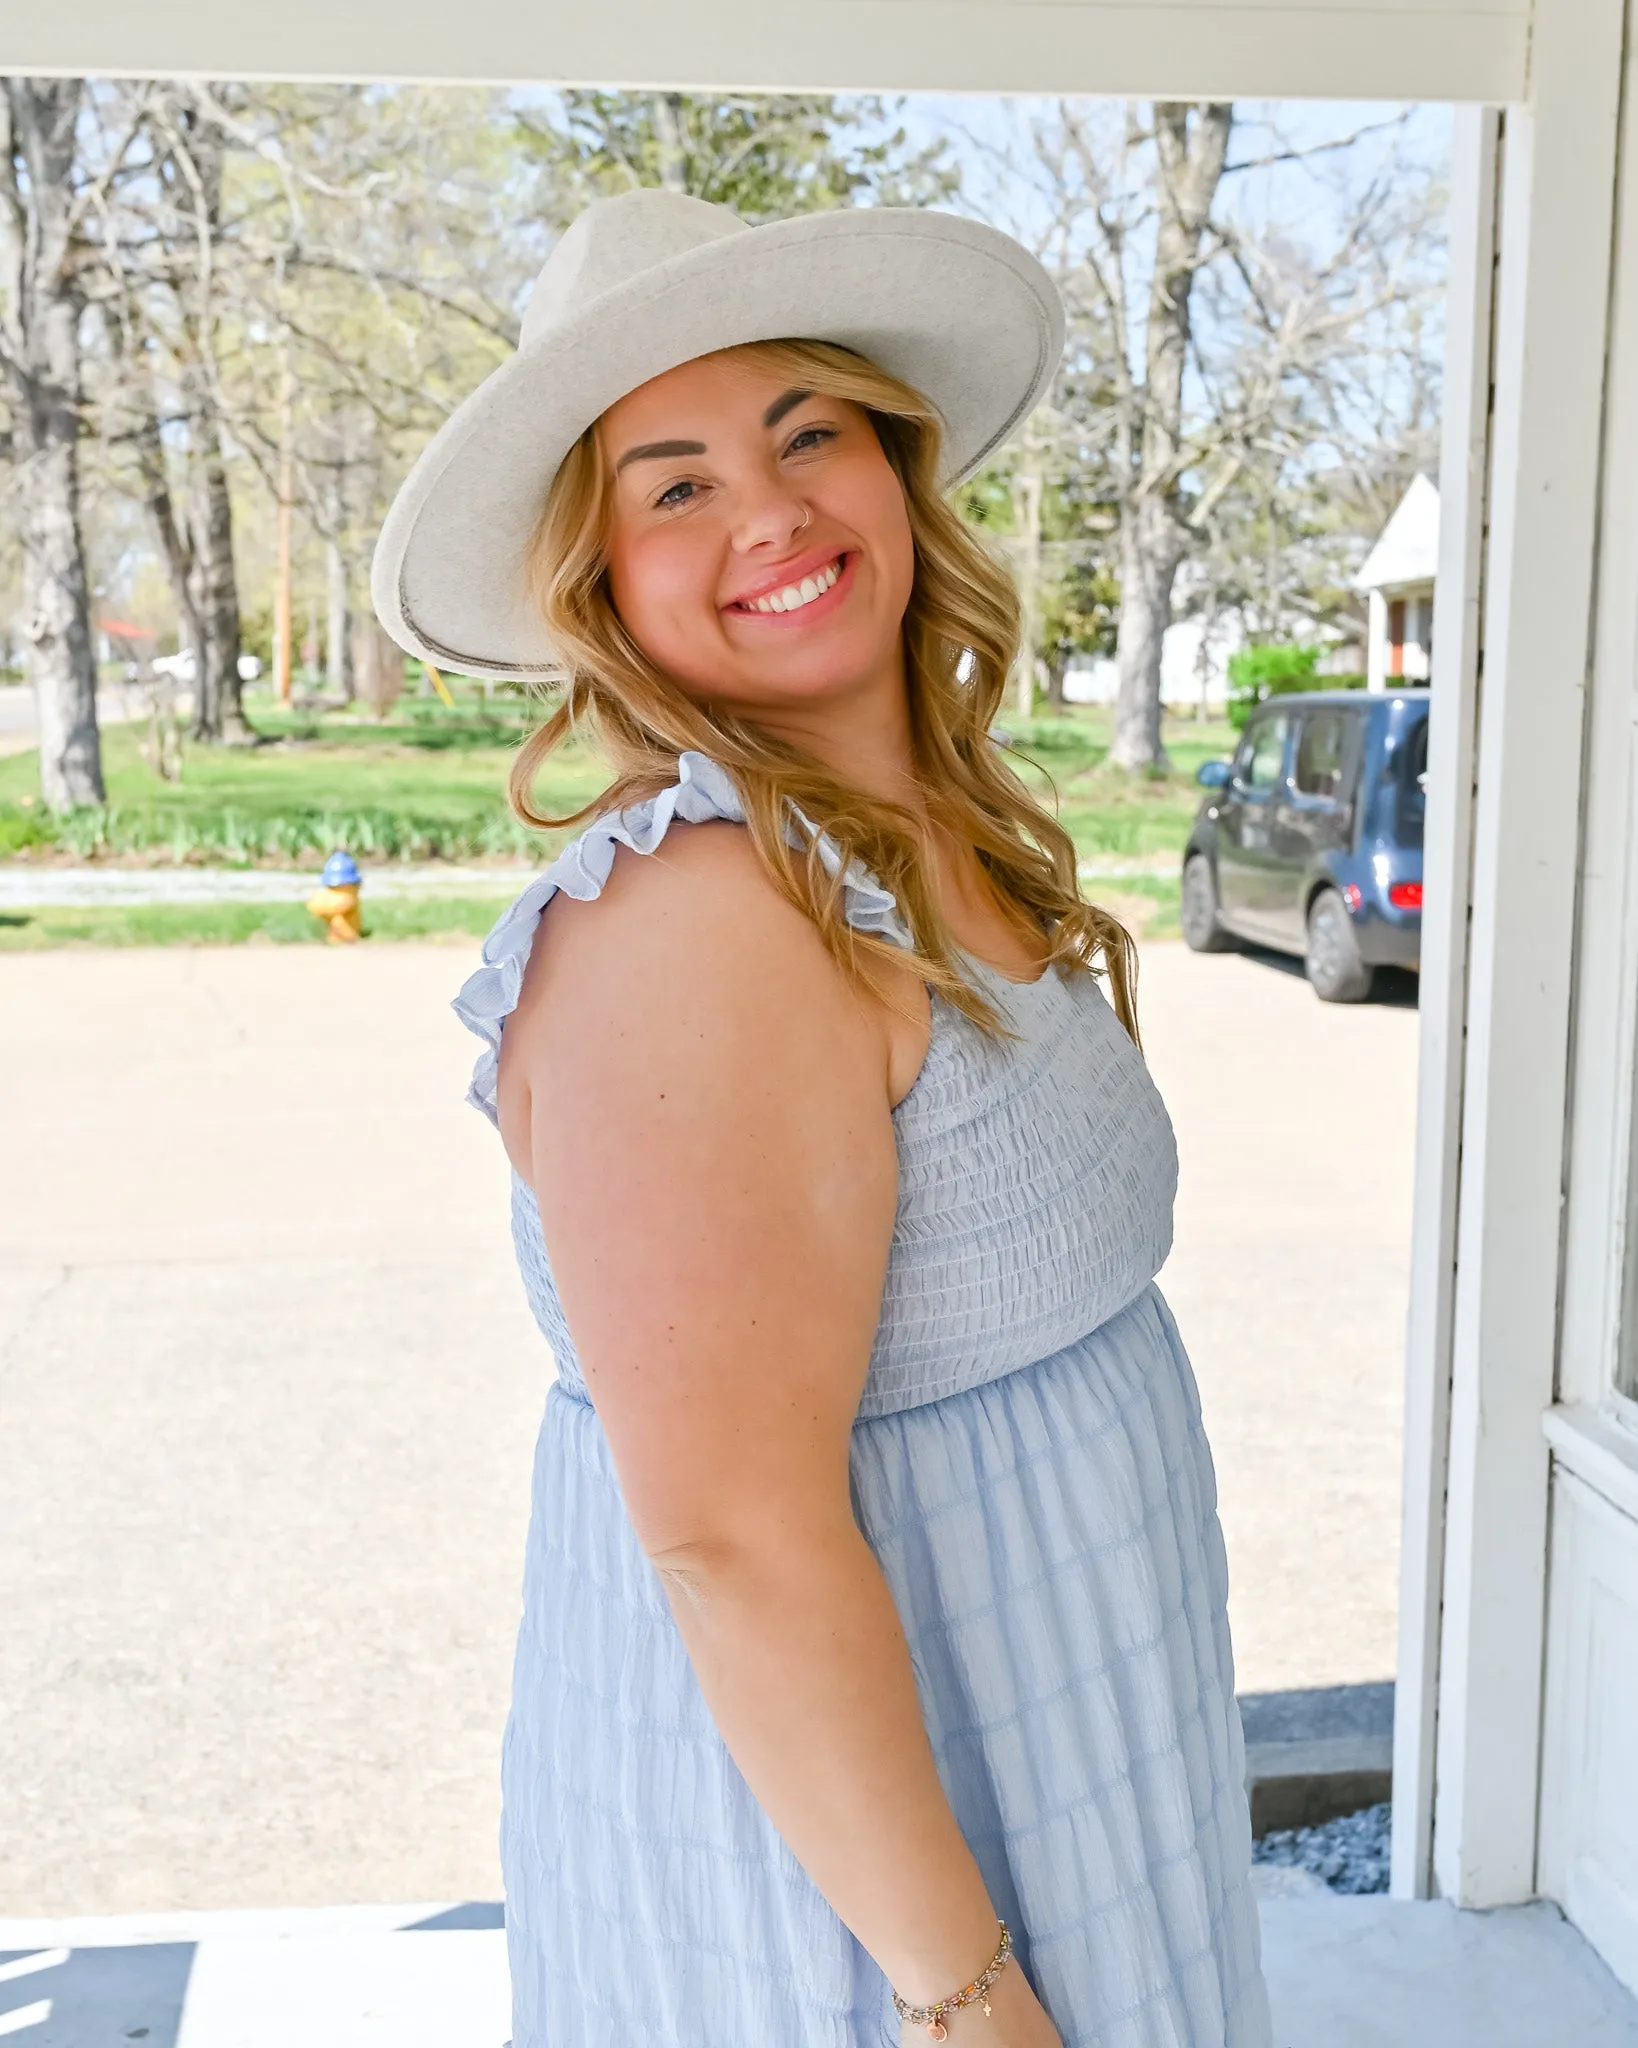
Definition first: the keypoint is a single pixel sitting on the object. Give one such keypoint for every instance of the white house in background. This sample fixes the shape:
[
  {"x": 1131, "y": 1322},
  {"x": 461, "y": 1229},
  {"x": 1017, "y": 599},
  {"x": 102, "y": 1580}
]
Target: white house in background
[
  {"x": 1193, "y": 665},
  {"x": 1397, "y": 578}
]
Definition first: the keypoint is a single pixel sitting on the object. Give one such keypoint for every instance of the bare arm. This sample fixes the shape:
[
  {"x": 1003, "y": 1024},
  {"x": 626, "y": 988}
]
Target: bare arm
[{"x": 702, "y": 1105}]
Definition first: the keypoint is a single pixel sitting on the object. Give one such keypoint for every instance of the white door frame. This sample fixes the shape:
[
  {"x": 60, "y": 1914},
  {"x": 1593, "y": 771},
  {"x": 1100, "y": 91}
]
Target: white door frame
[
  {"x": 1522, "y": 451},
  {"x": 1464, "y": 483},
  {"x": 1181, "y": 49}
]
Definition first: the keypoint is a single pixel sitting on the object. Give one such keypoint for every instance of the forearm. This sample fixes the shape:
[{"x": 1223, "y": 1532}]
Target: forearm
[{"x": 800, "y": 1654}]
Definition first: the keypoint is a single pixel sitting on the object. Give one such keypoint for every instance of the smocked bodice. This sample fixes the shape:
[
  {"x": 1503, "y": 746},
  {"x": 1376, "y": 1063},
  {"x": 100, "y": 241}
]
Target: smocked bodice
[{"x": 1036, "y": 1173}]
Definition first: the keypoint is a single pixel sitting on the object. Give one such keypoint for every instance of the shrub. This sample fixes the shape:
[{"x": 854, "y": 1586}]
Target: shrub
[{"x": 1257, "y": 673}]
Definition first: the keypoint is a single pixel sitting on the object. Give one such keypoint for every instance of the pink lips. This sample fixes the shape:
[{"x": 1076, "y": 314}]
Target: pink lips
[{"x": 791, "y": 574}]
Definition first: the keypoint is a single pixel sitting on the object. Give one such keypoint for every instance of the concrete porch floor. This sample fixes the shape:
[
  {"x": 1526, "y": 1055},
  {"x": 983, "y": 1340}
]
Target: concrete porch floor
[{"x": 1343, "y": 1973}]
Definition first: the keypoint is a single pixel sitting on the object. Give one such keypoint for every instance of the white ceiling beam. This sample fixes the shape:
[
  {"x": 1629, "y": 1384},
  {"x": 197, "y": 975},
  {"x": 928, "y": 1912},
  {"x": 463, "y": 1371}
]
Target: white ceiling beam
[{"x": 1472, "y": 50}]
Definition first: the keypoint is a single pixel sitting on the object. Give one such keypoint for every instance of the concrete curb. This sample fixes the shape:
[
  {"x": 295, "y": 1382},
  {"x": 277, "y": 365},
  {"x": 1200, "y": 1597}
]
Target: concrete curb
[{"x": 1314, "y": 1755}]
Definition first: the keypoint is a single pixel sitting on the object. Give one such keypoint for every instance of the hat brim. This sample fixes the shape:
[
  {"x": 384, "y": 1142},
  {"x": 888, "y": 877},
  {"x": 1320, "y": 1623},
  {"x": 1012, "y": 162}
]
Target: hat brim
[{"x": 953, "y": 308}]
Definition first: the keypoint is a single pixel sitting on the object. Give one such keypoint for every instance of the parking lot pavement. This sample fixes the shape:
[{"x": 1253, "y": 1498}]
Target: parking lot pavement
[
  {"x": 1296, "y": 1123},
  {"x": 268, "y": 1393}
]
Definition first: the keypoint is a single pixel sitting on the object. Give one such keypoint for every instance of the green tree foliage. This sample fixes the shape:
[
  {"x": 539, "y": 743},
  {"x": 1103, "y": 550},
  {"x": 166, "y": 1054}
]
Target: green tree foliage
[
  {"x": 765, "y": 156},
  {"x": 1257, "y": 673}
]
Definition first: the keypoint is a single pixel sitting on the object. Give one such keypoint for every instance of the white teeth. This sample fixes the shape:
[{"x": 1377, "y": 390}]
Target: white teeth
[{"x": 795, "y": 595}]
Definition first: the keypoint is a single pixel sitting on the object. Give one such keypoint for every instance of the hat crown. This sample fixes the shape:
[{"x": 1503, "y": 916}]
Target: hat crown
[{"x": 615, "y": 240}]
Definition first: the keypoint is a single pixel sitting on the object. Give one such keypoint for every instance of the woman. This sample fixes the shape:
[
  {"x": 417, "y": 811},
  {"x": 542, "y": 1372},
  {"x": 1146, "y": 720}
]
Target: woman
[{"x": 874, "y": 1672}]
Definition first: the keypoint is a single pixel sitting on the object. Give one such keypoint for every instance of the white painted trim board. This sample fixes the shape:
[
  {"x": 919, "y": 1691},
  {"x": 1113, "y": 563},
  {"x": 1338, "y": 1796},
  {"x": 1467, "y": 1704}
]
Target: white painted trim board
[{"x": 1343, "y": 49}]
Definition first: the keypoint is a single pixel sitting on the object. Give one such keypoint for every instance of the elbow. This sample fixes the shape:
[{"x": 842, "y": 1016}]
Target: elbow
[
  {"x": 699, "y": 1574},
  {"x": 751, "y": 1567}
]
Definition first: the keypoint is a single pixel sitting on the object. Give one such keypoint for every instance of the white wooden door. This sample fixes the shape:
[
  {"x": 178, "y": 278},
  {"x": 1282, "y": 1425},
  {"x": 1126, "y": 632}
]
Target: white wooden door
[{"x": 1588, "y": 1842}]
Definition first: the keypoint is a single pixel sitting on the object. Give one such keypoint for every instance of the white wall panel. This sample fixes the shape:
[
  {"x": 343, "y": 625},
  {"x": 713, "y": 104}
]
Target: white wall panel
[
  {"x": 1589, "y": 1836},
  {"x": 1350, "y": 49}
]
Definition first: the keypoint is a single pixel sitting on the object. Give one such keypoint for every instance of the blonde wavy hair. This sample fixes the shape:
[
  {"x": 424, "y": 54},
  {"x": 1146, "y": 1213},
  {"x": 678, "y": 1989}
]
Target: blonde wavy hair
[{"x": 961, "y": 630}]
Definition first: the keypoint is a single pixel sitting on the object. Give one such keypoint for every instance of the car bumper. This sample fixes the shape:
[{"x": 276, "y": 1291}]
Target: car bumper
[{"x": 1382, "y": 944}]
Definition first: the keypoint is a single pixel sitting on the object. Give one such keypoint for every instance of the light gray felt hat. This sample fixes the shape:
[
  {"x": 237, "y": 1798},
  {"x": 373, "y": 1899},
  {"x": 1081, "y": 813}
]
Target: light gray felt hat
[{"x": 652, "y": 279}]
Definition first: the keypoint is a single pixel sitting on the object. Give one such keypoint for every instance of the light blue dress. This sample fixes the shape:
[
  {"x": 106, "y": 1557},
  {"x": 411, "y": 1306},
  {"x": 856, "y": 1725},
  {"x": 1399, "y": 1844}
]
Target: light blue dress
[{"x": 1030, "y": 1469}]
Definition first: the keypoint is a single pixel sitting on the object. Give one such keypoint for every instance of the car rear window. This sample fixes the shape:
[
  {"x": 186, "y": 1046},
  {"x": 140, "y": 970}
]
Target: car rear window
[
  {"x": 1411, "y": 776},
  {"x": 1322, "y": 747}
]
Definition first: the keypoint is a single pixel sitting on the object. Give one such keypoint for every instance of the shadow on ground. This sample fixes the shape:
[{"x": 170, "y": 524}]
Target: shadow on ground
[{"x": 1395, "y": 988}]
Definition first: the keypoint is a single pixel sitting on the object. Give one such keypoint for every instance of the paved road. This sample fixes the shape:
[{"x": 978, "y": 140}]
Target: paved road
[
  {"x": 268, "y": 1393},
  {"x": 20, "y": 720}
]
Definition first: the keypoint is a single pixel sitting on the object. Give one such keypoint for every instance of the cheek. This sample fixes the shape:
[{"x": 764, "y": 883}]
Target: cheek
[
  {"x": 662, "y": 587},
  {"x": 877, "y": 512}
]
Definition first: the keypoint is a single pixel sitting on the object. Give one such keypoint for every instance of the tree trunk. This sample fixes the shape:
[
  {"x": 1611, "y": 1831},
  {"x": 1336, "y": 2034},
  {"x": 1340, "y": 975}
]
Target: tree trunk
[
  {"x": 1191, "y": 147},
  {"x": 669, "y": 141},
  {"x": 337, "y": 676},
  {"x": 1027, "y": 486},
  {"x": 176, "y": 542},
  {"x": 218, "y": 701},
  {"x": 1152, "y": 544},
  {"x": 335, "y": 620},
  {"x": 219, "y": 712},
  {"x": 41, "y": 313}
]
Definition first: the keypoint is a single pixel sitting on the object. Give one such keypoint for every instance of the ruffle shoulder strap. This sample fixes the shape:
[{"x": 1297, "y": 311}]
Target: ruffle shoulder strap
[{"x": 702, "y": 792}]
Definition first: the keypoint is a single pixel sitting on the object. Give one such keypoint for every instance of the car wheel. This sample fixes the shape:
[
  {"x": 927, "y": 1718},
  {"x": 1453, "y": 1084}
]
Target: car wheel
[
  {"x": 1335, "y": 970},
  {"x": 1201, "y": 931}
]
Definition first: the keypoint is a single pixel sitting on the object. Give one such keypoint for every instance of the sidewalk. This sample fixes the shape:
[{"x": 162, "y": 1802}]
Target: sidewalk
[
  {"x": 117, "y": 704},
  {"x": 29, "y": 887},
  {"x": 1343, "y": 1973}
]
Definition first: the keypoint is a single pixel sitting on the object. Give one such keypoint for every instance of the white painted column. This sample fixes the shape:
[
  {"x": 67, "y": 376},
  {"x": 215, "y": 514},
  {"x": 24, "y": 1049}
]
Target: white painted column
[
  {"x": 1464, "y": 462},
  {"x": 1376, "y": 605},
  {"x": 1553, "y": 282}
]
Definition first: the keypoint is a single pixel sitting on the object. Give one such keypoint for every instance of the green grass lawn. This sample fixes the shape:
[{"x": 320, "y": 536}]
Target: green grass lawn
[
  {"x": 425, "y": 784},
  {"x": 429, "y": 784},
  {"x": 1109, "y": 813}
]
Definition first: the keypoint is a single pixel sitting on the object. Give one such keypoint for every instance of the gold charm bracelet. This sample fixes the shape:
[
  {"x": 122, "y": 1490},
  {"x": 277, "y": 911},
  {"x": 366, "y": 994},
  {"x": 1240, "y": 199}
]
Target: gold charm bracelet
[{"x": 932, "y": 2016}]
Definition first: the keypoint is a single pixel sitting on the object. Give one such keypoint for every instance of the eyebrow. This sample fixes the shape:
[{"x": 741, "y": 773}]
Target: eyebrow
[
  {"x": 665, "y": 451},
  {"x": 659, "y": 451},
  {"x": 787, "y": 402}
]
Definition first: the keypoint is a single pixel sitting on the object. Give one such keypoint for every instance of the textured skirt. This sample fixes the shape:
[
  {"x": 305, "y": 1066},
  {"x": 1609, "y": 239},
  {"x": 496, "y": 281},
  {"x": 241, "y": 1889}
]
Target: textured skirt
[{"x": 1052, "y": 1544}]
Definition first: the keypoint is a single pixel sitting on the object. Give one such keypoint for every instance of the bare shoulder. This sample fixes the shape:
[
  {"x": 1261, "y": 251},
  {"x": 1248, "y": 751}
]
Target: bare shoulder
[
  {"x": 699, "y": 908},
  {"x": 690, "y": 965}
]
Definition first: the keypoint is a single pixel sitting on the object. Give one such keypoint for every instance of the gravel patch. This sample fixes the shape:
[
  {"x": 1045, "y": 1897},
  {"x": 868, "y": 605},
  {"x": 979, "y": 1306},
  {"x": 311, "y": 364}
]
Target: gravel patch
[{"x": 1350, "y": 1855}]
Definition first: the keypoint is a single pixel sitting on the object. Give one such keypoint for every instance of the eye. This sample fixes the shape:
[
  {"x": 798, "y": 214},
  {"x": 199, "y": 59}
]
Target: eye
[
  {"x": 675, "y": 494},
  {"x": 806, "y": 439}
]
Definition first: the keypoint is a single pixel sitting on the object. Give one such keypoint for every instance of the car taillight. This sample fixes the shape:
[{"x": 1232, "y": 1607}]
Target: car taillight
[
  {"x": 1352, "y": 895},
  {"x": 1405, "y": 895}
]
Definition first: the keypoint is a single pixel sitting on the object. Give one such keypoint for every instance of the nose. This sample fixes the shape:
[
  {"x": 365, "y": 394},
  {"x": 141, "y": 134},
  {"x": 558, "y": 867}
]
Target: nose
[{"x": 767, "y": 514}]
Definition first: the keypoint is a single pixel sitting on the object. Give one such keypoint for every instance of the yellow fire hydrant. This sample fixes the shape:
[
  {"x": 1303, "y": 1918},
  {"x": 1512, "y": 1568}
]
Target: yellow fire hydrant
[{"x": 336, "y": 903}]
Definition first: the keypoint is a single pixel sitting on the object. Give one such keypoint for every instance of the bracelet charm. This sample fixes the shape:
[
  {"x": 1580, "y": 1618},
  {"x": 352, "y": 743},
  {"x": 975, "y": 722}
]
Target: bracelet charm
[{"x": 932, "y": 2016}]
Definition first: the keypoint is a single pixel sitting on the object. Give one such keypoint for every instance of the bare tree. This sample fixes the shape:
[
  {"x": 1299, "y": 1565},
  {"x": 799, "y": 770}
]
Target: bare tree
[
  {"x": 161, "y": 298},
  {"x": 1223, "y": 394},
  {"x": 40, "y": 308},
  {"x": 1152, "y": 453}
]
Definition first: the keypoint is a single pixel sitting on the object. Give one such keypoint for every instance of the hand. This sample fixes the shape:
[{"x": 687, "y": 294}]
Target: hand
[{"x": 1017, "y": 2019}]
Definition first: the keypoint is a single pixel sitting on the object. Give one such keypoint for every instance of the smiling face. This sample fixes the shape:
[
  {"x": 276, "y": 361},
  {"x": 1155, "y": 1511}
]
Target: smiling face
[{"x": 759, "y": 547}]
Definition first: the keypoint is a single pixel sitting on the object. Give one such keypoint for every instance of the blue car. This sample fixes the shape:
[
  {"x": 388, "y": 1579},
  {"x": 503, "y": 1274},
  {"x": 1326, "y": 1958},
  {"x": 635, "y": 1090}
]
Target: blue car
[{"x": 1310, "y": 839}]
